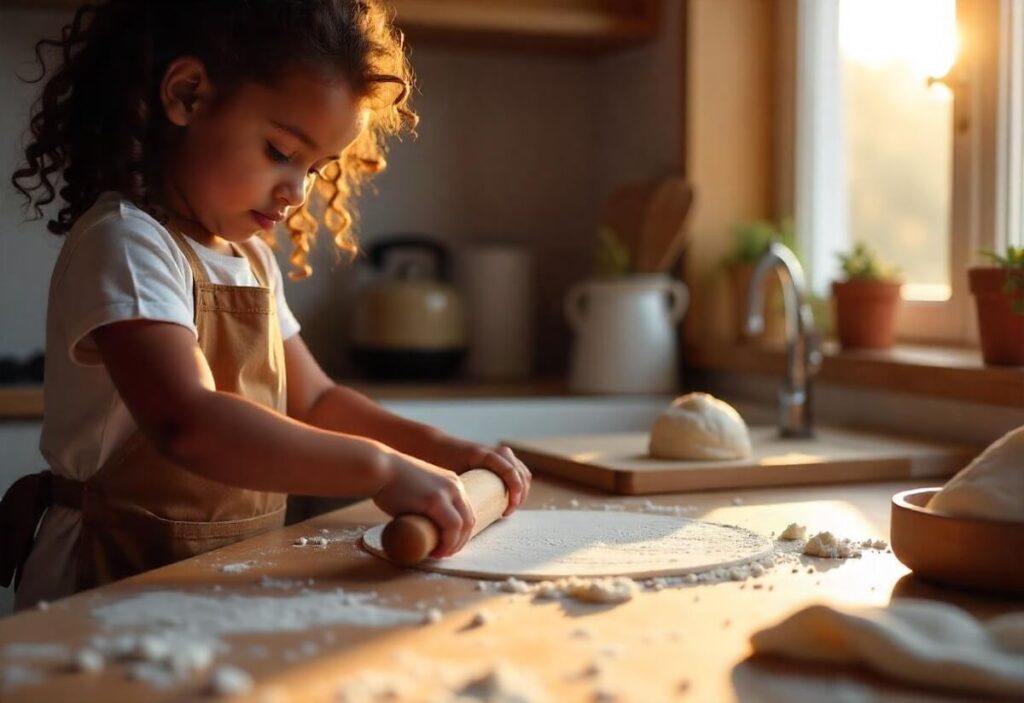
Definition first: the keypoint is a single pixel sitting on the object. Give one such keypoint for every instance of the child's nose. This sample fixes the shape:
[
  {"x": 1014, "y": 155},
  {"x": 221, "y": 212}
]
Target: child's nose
[{"x": 291, "y": 192}]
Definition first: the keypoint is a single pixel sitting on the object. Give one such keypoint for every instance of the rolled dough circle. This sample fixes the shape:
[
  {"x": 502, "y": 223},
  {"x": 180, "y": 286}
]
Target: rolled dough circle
[
  {"x": 537, "y": 545},
  {"x": 698, "y": 426}
]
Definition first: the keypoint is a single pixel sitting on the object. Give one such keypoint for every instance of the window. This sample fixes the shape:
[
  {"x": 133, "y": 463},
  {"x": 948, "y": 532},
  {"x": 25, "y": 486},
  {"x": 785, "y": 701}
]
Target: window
[{"x": 897, "y": 134}]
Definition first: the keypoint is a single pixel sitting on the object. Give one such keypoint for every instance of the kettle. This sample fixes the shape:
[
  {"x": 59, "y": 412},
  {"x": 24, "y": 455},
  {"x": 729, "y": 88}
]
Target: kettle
[{"x": 409, "y": 324}]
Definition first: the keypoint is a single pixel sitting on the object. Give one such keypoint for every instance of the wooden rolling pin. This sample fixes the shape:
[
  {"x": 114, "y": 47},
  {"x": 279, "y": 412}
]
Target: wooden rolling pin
[{"x": 409, "y": 539}]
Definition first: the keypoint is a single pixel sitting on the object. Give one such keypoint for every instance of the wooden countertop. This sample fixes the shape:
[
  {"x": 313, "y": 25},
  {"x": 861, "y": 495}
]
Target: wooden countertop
[{"x": 688, "y": 643}]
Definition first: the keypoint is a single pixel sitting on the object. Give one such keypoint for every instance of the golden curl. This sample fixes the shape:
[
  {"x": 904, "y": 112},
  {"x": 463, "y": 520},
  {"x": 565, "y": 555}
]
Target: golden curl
[{"x": 387, "y": 114}]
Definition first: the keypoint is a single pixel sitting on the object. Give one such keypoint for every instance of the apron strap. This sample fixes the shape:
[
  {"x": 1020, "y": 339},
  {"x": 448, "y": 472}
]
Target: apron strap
[
  {"x": 198, "y": 270},
  {"x": 21, "y": 508},
  {"x": 255, "y": 263}
]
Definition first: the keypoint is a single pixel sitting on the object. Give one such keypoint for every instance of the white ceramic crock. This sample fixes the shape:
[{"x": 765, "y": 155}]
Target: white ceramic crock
[{"x": 626, "y": 334}]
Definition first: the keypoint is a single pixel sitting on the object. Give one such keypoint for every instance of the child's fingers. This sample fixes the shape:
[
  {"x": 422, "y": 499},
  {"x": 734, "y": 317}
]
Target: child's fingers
[
  {"x": 461, "y": 503},
  {"x": 450, "y": 523},
  {"x": 522, "y": 469},
  {"x": 498, "y": 462}
]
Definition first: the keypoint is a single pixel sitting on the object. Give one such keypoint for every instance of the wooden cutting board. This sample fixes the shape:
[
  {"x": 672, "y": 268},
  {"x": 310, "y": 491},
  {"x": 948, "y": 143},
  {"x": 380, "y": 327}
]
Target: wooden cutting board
[{"x": 619, "y": 463}]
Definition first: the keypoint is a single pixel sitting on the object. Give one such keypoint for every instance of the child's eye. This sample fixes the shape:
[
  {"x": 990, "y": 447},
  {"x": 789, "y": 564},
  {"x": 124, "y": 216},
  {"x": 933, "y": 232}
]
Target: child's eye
[{"x": 275, "y": 155}]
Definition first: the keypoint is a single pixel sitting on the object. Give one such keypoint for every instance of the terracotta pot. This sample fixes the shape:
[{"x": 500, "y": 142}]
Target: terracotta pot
[
  {"x": 774, "y": 318},
  {"x": 866, "y": 312},
  {"x": 1000, "y": 327}
]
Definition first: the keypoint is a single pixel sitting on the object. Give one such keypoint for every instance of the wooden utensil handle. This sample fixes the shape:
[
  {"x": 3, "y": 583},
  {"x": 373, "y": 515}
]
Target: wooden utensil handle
[{"x": 409, "y": 539}]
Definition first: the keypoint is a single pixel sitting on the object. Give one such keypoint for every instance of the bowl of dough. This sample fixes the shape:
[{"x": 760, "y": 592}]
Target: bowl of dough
[{"x": 970, "y": 532}]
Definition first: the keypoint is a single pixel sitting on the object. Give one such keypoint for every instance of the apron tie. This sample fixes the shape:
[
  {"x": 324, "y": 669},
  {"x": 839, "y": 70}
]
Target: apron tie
[{"x": 21, "y": 509}]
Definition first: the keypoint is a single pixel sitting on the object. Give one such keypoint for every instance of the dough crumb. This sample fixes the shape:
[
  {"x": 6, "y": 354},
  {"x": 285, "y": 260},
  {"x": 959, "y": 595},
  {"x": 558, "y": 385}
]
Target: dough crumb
[
  {"x": 514, "y": 585},
  {"x": 231, "y": 681},
  {"x": 481, "y": 618},
  {"x": 43, "y": 605},
  {"x": 504, "y": 684},
  {"x": 879, "y": 544},
  {"x": 89, "y": 660},
  {"x": 301, "y": 542},
  {"x": 320, "y": 541},
  {"x": 794, "y": 532},
  {"x": 433, "y": 615},
  {"x": 828, "y": 546}
]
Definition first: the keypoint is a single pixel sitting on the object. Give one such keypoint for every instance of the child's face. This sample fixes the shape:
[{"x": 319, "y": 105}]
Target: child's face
[{"x": 247, "y": 162}]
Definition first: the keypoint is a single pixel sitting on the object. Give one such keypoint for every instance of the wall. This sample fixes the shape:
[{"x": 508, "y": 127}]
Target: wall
[
  {"x": 730, "y": 134},
  {"x": 513, "y": 147}
]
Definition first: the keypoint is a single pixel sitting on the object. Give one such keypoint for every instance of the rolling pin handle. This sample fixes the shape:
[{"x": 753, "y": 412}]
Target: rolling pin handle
[{"x": 409, "y": 539}]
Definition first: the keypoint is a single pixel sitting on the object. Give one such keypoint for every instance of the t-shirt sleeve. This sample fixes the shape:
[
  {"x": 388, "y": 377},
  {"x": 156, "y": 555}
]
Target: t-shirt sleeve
[
  {"x": 289, "y": 325},
  {"x": 121, "y": 268}
]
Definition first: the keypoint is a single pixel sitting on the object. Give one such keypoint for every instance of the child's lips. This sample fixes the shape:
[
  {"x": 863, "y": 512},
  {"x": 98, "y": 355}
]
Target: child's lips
[{"x": 265, "y": 221}]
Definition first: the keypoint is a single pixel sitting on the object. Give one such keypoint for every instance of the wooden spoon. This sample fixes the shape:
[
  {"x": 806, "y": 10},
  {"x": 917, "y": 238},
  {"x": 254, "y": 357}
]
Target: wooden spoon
[{"x": 664, "y": 232}]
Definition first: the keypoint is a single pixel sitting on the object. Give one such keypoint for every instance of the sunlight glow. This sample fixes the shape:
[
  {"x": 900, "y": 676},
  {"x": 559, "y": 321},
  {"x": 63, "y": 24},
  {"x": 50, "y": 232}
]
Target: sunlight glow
[{"x": 919, "y": 33}]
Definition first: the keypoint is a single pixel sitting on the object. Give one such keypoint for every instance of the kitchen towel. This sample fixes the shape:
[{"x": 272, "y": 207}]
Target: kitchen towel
[{"x": 922, "y": 643}]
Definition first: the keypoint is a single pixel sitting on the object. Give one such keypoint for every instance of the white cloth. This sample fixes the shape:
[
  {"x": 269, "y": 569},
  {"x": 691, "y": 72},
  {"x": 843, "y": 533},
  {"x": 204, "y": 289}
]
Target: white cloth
[
  {"x": 922, "y": 643},
  {"x": 117, "y": 263}
]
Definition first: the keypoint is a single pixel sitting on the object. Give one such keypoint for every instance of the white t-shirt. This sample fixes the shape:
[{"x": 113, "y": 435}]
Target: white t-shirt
[{"x": 117, "y": 263}]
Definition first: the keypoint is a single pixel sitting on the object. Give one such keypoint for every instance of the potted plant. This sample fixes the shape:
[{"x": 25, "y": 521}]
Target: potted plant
[
  {"x": 999, "y": 294},
  {"x": 751, "y": 240},
  {"x": 866, "y": 300}
]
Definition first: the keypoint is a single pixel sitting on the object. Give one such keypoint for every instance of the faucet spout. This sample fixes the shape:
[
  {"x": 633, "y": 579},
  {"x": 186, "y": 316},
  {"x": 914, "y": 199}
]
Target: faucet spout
[{"x": 803, "y": 358}]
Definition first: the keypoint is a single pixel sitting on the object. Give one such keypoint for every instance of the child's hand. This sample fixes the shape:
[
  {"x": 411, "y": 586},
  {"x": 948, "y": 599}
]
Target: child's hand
[
  {"x": 417, "y": 487},
  {"x": 460, "y": 456}
]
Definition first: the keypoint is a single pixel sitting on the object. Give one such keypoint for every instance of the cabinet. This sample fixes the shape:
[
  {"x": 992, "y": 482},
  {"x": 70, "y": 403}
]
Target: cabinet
[{"x": 556, "y": 25}]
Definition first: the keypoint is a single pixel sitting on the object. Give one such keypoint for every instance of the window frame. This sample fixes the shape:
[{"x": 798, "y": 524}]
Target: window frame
[{"x": 987, "y": 196}]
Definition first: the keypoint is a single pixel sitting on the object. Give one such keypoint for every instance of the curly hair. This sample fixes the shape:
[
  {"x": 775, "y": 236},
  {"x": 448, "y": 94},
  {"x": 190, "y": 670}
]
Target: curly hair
[{"x": 98, "y": 124}]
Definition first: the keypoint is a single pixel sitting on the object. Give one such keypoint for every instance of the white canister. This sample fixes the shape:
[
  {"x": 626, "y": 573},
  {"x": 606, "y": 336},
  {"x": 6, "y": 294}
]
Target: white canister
[
  {"x": 497, "y": 283},
  {"x": 626, "y": 334}
]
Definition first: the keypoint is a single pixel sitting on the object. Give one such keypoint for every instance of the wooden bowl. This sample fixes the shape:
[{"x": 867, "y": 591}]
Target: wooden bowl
[{"x": 959, "y": 551}]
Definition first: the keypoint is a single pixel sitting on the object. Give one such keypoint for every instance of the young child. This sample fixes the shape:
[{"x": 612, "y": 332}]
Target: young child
[{"x": 181, "y": 402}]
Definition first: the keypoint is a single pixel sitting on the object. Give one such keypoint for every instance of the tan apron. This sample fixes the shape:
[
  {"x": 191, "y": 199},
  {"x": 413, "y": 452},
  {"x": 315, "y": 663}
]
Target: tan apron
[{"x": 141, "y": 511}]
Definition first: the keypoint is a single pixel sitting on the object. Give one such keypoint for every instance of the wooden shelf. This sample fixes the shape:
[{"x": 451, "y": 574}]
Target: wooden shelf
[
  {"x": 21, "y": 402},
  {"x": 574, "y": 25},
  {"x": 952, "y": 373}
]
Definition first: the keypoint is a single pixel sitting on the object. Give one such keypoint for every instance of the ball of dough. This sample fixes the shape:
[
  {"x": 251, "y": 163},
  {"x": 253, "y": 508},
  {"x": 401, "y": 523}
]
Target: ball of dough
[
  {"x": 992, "y": 486},
  {"x": 700, "y": 426}
]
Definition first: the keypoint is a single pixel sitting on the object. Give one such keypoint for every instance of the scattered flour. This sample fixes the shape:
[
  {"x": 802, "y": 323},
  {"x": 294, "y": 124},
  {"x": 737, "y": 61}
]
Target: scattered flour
[
  {"x": 16, "y": 676},
  {"x": 37, "y": 650},
  {"x": 794, "y": 532},
  {"x": 614, "y": 589},
  {"x": 652, "y": 507},
  {"x": 417, "y": 678},
  {"x": 300, "y": 542},
  {"x": 236, "y": 568},
  {"x": 171, "y": 636},
  {"x": 231, "y": 614}
]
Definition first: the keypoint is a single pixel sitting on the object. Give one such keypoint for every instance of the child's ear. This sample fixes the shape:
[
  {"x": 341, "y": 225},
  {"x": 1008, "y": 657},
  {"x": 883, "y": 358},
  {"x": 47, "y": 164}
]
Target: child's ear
[{"x": 185, "y": 87}]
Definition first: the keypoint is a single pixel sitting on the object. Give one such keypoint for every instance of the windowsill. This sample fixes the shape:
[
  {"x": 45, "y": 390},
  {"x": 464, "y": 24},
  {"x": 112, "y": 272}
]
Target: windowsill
[{"x": 942, "y": 372}]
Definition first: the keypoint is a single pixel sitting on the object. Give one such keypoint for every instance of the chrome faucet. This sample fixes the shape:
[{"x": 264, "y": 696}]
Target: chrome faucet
[{"x": 803, "y": 357}]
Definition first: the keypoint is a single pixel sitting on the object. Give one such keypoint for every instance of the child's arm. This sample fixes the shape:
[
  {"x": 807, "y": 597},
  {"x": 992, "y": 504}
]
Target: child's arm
[
  {"x": 314, "y": 399},
  {"x": 169, "y": 389}
]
